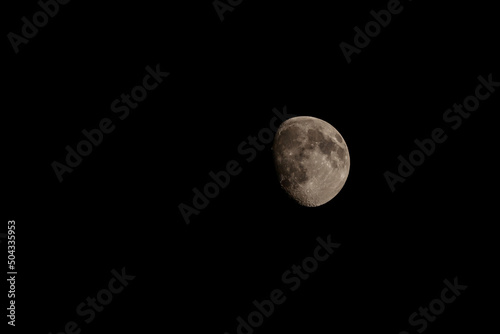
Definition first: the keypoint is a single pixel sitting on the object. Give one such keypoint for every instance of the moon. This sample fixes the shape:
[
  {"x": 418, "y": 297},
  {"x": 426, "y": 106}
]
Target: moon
[{"x": 311, "y": 159}]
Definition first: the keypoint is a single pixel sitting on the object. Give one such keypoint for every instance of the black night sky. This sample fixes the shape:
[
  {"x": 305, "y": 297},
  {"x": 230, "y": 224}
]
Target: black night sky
[{"x": 166, "y": 95}]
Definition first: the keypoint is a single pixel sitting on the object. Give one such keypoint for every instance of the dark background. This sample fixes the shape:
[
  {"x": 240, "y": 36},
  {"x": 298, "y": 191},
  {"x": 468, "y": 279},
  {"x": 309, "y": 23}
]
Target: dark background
[{"x": 119, "y": 208}]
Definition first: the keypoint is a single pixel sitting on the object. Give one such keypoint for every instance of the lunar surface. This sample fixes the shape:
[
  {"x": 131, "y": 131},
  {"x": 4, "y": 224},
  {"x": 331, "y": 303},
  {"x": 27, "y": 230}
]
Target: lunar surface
[{"x": 311, "y": 159}]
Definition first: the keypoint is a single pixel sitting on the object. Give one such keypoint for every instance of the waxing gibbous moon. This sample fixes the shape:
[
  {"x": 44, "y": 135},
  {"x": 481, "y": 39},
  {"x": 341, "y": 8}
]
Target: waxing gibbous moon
[{"x": 311, "y": 160}]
